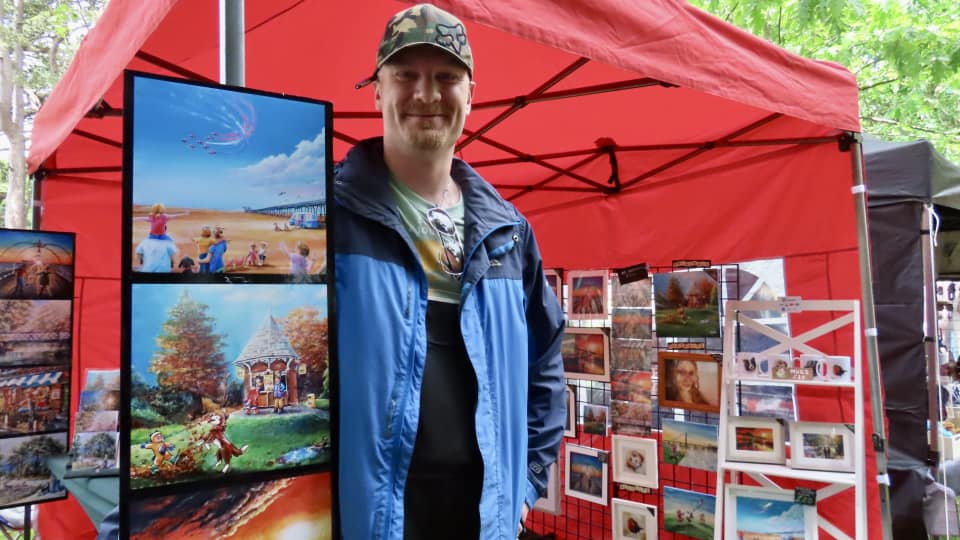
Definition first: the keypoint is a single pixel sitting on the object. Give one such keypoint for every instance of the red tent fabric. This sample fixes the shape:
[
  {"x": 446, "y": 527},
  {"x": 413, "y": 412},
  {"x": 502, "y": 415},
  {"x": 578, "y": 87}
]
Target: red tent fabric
[{"x": 726, "y": 146}]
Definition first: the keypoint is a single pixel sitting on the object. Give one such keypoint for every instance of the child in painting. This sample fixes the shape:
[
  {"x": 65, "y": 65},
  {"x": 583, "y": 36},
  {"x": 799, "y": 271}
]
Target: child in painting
[
  {"x": 162, "y": 451},
  {"x": 262, "y": 254},
  {"x": 186, "y": 265},
  {"x": 158, "y": 219},
  {"x": 217, "y": 250},
  {"x": 251, "y": 258},
  {"x": 204, "y": 241},
  {"x": 300, "y": 262}
]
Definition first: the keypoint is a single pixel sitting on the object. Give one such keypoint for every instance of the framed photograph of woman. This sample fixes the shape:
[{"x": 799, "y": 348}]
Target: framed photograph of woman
[
  {"x": 635, "y": 461},
  {"x": 755, "y": 439},
  {"x": 587, "y": 291},
  {"x": 570, "y": 430},
  {"x": 586, "y": 354},
  {"x": 634, "y": 521},
  {"x": 586, "y": 474},
  {"x": 689, "y": 381},
  {"x": 821, "y": 446}
]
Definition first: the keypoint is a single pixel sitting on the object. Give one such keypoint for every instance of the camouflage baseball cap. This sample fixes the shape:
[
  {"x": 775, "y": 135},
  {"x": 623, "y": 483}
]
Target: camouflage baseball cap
[{"x": 423, "y": 24}]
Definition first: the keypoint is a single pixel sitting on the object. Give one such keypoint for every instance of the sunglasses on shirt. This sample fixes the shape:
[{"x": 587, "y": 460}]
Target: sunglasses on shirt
[{"x": 451, "y": 251}]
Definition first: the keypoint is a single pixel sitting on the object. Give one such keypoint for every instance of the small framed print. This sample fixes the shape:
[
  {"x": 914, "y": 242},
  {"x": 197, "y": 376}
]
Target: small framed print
[
  {"x": 570, "y": 430},
  {"x": 689, "y": 381},
  {"x": 689, "y": 513},
  {"x": 755, "y": 439},
  {"x": 634, "y": 521},
  {"x": 755, "y": 512},
  {"x": 586, "y": 354},
  {"x": 551, "y": 503},
  {"x": 555, "y": 282},
  {"x": 587, "y": 290},
  {"x": 635, "y": 462},
  {"x": 586, "y": 474},
  {"x": 821, "y": 446},
  {"x": 595, "y": 418}
]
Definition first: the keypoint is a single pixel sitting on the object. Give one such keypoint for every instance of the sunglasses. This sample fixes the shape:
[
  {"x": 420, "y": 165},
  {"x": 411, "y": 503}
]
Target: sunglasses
[{"x": 451, "y": 251}]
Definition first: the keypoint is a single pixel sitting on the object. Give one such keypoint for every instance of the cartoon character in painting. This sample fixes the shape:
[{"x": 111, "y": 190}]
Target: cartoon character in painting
[
  {"x": 217, "y": 437},
  {"x": 163, "y": 454}
]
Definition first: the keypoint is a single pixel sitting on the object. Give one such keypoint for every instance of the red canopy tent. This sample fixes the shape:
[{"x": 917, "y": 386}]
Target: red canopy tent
[{"x": 726, "y": 147}]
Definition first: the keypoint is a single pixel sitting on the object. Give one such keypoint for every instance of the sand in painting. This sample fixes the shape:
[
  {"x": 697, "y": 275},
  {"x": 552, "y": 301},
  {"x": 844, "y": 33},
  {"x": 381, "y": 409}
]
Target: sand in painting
[{"x": 240, "y": 229}]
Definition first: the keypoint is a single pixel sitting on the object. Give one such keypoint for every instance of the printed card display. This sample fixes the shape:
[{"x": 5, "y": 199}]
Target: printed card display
[
  {"x": 631, "y": 418},
  {"x": 631, "y": 354},
  {"x": 587, "y": 291},
  {"x": 631, "y": 386},
  {"x": 633, "y": 294},
  {"x": 632, "y": 323},
  {"x": 586, "y": 354},
  {"x": 594, "y": 418}
]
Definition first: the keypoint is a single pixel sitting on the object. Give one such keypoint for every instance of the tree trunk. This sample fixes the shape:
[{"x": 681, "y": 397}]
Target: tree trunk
[{"x": 11, "y": 119}]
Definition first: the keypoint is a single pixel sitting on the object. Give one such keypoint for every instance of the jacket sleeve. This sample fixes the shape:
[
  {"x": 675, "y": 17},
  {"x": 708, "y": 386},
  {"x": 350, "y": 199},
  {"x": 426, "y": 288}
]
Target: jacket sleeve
[{"x": 546, "y": 406}]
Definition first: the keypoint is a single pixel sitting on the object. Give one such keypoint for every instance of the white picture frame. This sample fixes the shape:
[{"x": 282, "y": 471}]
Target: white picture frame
[
  {"x": 586, "y": 354},
  {"x": 758, "y": 512},
  {"x": 635, "y": 461},
  {"x": 570, "y": 429},
  {"x": 633, "y": 520},
  {"x": 587, "y": 295},
  {"x": 551, "y": 503},
  {"x": 822, "y": 446},
  {"x": 555, "y": 282},
  {"x": 585, "y": 474},
  {"x": 755, "y": 439}
]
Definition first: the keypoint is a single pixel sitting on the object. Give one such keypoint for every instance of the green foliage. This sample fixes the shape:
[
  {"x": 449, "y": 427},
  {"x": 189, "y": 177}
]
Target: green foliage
[{"x": 904, "y": 53}]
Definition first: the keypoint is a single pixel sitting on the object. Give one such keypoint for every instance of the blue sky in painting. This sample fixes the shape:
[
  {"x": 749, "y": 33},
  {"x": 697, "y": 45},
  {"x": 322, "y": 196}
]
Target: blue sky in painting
[
  {"x": 769, "y": 516},
  {"x": 697, "y": 433},
  {"x": 238, "y": 310},
  {"x": 218, "y": 149},
  {"x": 690, "y": 501}
]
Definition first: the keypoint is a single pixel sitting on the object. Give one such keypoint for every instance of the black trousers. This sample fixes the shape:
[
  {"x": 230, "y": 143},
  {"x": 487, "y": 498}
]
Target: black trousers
[{"x": 442, "y": 496}]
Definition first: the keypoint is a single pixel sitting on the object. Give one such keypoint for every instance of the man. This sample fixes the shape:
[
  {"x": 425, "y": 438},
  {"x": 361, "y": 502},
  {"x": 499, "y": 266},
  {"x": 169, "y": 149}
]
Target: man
[
  {"x": 452, "y": 393},
  {"x": 155, "y": 255}
]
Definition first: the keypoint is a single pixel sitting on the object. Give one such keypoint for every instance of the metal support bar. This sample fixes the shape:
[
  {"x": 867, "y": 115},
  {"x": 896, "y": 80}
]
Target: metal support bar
[
  {"x": 98, "y": 138},
  {"x": 573, "y": 92},
  {"x": 232, "y": 52},
  {"x": 540, "y": 185},
  {"x": 930, "y": 330},
  {"x": 172, "y": 67},
  {"x": 870, "y": 335}
]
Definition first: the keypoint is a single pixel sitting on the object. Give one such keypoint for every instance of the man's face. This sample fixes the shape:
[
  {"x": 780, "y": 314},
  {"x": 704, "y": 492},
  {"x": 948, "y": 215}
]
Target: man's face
[{"x": 425, "y": 96}]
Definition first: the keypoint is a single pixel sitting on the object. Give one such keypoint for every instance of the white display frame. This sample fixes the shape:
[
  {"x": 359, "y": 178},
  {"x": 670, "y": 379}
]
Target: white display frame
[
  {"x": 798, "y": 458},
  {"x": 602, "y": 457},
  {"x": 603, "y": 276},
  {"x": 733, "y": 492},
  {"x": 776, "y": 456},
  {"x": 623, "y": 446},
  {"x": 649, "y": 513},
  {"x": 570, "y": 427},
  {"x": 551, "y": 503}
]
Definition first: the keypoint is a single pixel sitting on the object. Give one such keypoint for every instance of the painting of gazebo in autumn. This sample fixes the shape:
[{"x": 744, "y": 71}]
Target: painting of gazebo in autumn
[
  {"x": 687, "y": 304},
  {"x": 227, "y": 380}
]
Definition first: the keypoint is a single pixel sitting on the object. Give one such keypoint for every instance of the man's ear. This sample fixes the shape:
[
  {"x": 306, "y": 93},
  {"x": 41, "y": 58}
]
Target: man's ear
[{"x": 473, "y": 87}]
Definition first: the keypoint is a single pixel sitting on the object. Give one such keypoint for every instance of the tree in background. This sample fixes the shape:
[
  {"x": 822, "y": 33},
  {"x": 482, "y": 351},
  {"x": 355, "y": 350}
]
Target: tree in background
[
  {"x": 904, "y": 53},
  {"x": 307, "y": 334},
  {"x": 37, "y": 40},
  {"x": 189, "y": 355}
]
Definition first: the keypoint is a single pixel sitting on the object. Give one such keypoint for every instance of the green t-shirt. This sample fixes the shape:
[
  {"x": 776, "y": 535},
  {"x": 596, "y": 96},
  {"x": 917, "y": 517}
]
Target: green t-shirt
[{"x": 414, "y": 211}]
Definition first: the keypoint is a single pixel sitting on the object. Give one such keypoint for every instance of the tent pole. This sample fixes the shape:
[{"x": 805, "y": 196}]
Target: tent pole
[
  {"x": 232, "y": 53},
  {"x": 870, "y": 333},
  {"x": 930, "y": 329}
]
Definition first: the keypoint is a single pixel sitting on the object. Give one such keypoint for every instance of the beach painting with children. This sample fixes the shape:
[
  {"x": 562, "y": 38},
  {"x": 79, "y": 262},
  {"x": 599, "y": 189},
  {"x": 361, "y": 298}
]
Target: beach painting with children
[
  {"x": 227, "y": 381},
  {"x": 224, "y": 181},
  {"x": 36, "y": 265}
]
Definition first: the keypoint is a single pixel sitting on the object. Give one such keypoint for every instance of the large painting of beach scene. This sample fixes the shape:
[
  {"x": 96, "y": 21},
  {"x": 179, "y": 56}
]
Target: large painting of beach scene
[
  {"x": 227, "y": 380},
  {"x": 35, "y": 332},
  {"x": 225, "y": 181},
  {"x": 688, "y": 513},
  {"x": 36, "y": 264},
  {"x": 24, "y": 476},
  {"x": 288, "y": 508},
  {"x": 690, "y": 444}
]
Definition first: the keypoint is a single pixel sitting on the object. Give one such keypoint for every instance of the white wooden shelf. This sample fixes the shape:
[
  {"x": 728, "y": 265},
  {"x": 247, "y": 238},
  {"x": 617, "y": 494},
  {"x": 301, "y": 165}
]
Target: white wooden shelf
[{"x": 783, "y": 471}]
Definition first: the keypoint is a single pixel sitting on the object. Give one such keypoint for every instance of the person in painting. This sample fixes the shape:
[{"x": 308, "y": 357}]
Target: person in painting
[
  {"x": 158, "y": 219},
  {"x": 300, "y": 261},
  {"x": 203, "y": 242},
  {"x": 162, "y": 452},
  {"x": 279, "y": 396},
  {"x": 685, "y": 386},
  {"x": 217, "y": 250},
  {"x": 156, "y": 255},
  {"x": 452, "y": 389},
  {"x": 20, "y": 274}
]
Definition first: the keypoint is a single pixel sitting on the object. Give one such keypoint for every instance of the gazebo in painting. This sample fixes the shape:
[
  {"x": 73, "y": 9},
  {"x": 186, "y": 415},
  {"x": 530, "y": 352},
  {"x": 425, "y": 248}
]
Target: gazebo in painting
[{"x": 267, "y": 358}]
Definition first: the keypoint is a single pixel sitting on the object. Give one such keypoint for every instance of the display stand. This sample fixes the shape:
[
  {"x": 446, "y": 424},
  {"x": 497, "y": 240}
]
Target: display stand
[{"x": 766, "y": 475}]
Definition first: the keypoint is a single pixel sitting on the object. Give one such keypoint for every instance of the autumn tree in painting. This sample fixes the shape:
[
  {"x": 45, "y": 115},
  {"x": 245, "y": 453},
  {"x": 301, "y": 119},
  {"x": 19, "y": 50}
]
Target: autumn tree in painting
[
  {"x": 307, "y": 334},
  {"x": 15, "y": 314},
  {"x": 189, "y": 356},
  {"x": 674, "y": 295},
  {"x": 30, "y": 458}
]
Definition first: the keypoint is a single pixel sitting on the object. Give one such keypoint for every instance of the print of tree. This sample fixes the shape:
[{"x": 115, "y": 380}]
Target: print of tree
[
  {"x": 30, "y": 458},
  {"x": 674, "y": 295},
  {"x": 307, "y": 334},
  {"x": 100, "y": 445}
]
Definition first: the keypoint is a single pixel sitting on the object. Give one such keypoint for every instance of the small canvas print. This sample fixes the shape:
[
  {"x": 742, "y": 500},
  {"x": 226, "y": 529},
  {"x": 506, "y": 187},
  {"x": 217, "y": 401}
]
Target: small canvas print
[
  {"x": 631, "y": 418},
  {"x": 102, "y": 379},
  {"x": 298, "y": 507},
  {"x": 586, "y": 474},
  {"x": 594, "y": 419},
  {"x": 36, "y": 265},
  {"x": 585, "y": 353},
  {"x": 632, "y": 323},
  {"x": 770, "y": 400},
  {"x": 95, "y": 451},
  {"x": 631, "y": 354},
  {"x": 99, "y": 399},
  {"x": 631, "y": 386},
  {"x": 633, "y": 294},
  {"x": 690, "y": 444},
  {"x": 225, "y": 181},
  {"x": 634, "y": 520},
  {"x": 35, "y": 332},
  {"x": 34, "y": 400},
  {"x": 764, "y": 514},
  {"x": 687, "y": 304},
  {"x": 97, "y": 421},
  {"x": 220, "y": 388},
  {"x": 24, "y": 476},
  {"x": 688, "y": 513},
  {"x": 587, "y": 292}
]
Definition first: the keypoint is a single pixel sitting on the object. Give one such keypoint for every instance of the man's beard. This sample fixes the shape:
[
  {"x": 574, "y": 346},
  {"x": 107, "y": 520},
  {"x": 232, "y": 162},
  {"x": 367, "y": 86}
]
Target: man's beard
[{"x": 430, "y": 138}]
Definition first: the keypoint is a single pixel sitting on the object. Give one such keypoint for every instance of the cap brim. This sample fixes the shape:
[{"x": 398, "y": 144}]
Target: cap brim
[{"x": 365, "y": 82}]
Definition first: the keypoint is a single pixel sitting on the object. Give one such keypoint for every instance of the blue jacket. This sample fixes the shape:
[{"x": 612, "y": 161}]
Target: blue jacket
[{"x": 511, "y": 324}]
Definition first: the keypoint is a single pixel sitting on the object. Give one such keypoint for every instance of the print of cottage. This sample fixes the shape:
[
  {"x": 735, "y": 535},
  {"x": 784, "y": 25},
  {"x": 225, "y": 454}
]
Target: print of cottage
[
  {"x": 266, "y": 359},
  {"x": 29, "y": 401}
]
